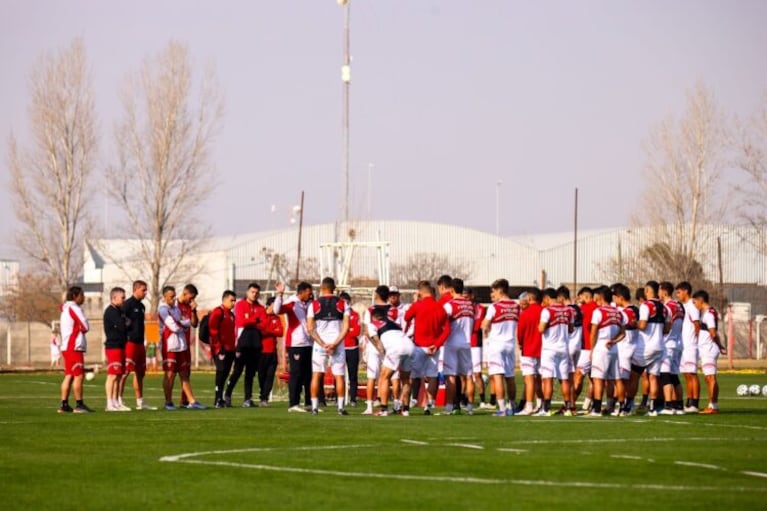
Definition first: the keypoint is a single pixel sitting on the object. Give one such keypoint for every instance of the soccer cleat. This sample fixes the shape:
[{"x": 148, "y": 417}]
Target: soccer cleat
[
  {"x": 65, "y": 408},
  {"x": 593, "y": 413},
  {"x": 83, "y": 408},
  {"x": 679, "y": 411},
  {"x": 709, "y": 411},
  {"x": 427, "y": 411},
  {"x": 542, "y": 413},
  {"x": 197, "y": 406},
  {"x": 368, "y": 412},
  {"x": 623, "y": 413},
  {"x": 499, "y": 413},
  {"x": 342, "y": 412},
  {"x": 666, "y": 411},
  {"x": 228, "y": 401},
  {"x": 382, "y": 413},
  {"x": 297, "y": 408},
  {"x": 485, "y": 406},
  {"x": 510, "y": 412},
  {"x": 144, "y": 406},
  {"x": 263, "y": 404},
  {"x": 315, "y": 411},
  {"x": 220, "y": 404},
  {"x": 122, "y": 408},
  {"x": 525, "y": 412},
  {"x": 413, "y": 402},
  {"x": 248, "y": 403},
  {"x": 652, "y": 413},
  {"x": 691, "y": 409},
  {"x": 170, "y": 406},
  {"x": 405, "y": 413},
  {"x": 568, "y": 413},
  {"x": 353, "y": 404}
]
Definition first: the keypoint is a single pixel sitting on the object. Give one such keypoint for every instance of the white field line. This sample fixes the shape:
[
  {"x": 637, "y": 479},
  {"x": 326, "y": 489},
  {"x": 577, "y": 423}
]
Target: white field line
[
  {"x": 699, "y": 465},
  {"x": 187, "y": 458},
  {"x": 413, "y": 442},
  {"x": 180, "y": 457},
  {"x": 516, "y": 451},
  {"x": 627, "y": 440},
  {"x": 625, "y": 457},
  {"x": 467, "y": 446},
  {"x": 755, "y": 474}
]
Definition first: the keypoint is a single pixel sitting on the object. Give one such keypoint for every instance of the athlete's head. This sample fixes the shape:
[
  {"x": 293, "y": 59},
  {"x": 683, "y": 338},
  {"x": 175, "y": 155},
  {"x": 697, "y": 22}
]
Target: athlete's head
[
  {"x": 228, "y": 299},
  {"x": 585, "y": 295},
  {"x": 394, "y": 297},
  {"x": 563, "y": 294},
  {"x": 523, "y": 300},
  {"x": 304, "y": 291},
  {"x": 683, "y": 291},
  {"x": 603, "y": 295},
  {"x": 328, "y": 286},
  {"x": 499, "y": 290},
  {"x": 640, "y": 295},
  {"x": 651, "y": 289},
  {"x": 169, "y": 294},
  {"x": 139, "y": 290},
  {"x": 253, "y": 292},
  {"x": 534, "y": 295},
  {"x": 444, "y": 284},
  {"x": 343, "y": 295},
  {"x": 622, "y": 295},
  {"x": 468, "y": 293},
  {"x": 381, "y": 294},
  {"x": 75, "y": 294},
  {"x": 700, "y": 298},
  {"x": 188, "y": 294},
  {"x": 425, "y": 289},
  {"x": 549, "y": 296},
  {"x": 666, "y": 290},
  {"x": 117, "y": 296},
  {"x": 270, "y": 304},
  {"x": 458, "y": 286}
]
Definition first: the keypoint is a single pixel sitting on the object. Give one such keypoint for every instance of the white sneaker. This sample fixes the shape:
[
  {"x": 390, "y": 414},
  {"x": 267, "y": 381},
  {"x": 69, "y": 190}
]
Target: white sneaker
[
  {"x": 652, "y": 413},
  {"x": 110, "y": 408},
  {"x": 144, "y": 406},
  {"x": 542, "y": 413},
  {"x": 367, "y": 412},
  {"x": 679, "y": 412},
  {"x": 525, "y": 411},
  {"x": 666, "y": 411},
  {"x": 691, "y": 409},
  {"x": 406, "y": 413},
  {"x": 297, "y": 408},
  {"x": 486, "y": 406},
  {"x": 122, "y": 408},
  {"x": 593, "y": 414}
]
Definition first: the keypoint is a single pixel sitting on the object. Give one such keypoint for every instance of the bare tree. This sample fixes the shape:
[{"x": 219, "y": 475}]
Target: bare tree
[
  {"x": 33, "y": 298},
  {"x": 163, "y": 171},
  {"x": 686, "y": 159},
  {"x": 752, "y": 160},
  {"x": 428, "y": 266},
  {"x": 50, "y": 180}
]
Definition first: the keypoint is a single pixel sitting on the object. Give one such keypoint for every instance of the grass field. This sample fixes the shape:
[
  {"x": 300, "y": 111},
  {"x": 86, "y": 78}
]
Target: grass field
[{"x": 268, "y": 459}]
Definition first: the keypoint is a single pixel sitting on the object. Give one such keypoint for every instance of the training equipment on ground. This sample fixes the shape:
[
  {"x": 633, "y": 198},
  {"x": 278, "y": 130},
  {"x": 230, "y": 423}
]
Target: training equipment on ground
[
  {"x": 742, "y": 390},
  {"x": 764, "y": 391},
  {"x": 755, "y": 390},
  {"x": 90, "y": 375}
]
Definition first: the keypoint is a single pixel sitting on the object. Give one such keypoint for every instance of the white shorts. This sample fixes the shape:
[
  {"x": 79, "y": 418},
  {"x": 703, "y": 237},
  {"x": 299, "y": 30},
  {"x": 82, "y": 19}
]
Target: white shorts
[
  {"x": 372, "y": 362},
  {"x": 555, "y": 364},
  {"x": 672, "y": 356},
  {"x": 476, "y": 360},
  {"x": 500, "y": 358},
  {"x": 689, "y": 362},
  {"x": 625, "y": 352},
  {"x": 336, "y": 361},
  {"x": 584, "y": 362},
  {"x": 398, "y": 355},
  {"x": 423, "y": 365},
  {"x": 604, "y": 363},
  {"x": 649, "y": 357},
  {"x": 574, "y": 348},
  {"x": 709, "y": 354},
  {"x": 530, "y": 366},
  {"x": 456, "y": 361}
]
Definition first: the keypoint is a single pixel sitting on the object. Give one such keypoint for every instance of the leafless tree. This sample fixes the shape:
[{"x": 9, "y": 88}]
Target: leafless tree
[
  {"x": 35, "y": 297},
  {"x": 163, "y": 171},
  {"x": 428, "y": 266},
  {"x": 751, "y": 157},
  {"x": 50, "y": 180},
  {"x": 686, "y": 160}
]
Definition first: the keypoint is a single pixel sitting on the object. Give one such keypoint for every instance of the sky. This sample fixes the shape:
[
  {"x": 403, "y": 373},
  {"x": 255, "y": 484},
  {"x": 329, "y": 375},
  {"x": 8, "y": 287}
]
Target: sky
[{"x": 448, "y": 98}]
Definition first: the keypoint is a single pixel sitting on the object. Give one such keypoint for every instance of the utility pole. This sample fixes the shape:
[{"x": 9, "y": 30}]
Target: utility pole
[{"x": 346, "y": 77}]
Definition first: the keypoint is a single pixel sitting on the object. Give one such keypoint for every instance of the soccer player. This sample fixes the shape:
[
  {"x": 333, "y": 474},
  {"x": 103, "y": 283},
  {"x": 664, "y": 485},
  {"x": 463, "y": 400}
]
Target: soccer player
[
  {"x": 554, "y": 326},
  {"x": 55, "y": 349},
  {"x": 669, "y": 370},
  {"x": 583, "y": 369},
  {"x": 221, "y": 328},
  {"x": 430, "y": 332},
  {"x": 395, "y": 349},
  {"x": 174, "y": 328},
  {"x": 372, "y": 356},
  {"x": 267, "y": 363},
  {"x": 500, "y": 328},
  {"x": 328, "y": 323},
  {"x": 457, "y": 351},
  {"x": 351, "y": 348},
  {"x": 710, "y": 347},
  {"x": 648, "y": 354},
  {"x": 688, "y": 366},
  {"x": 477, "y": 347},
  {"x": 297, "y": 342},
  {"x": 188, "y": 307},
  {"x": 622, "y": 298},
  {"x": 249, "y": 317},
  {"x": 115, "y": 337},
  {"x": 135, "y": 352},
  {"x": 606, "y": 332},
  {"x": 73, "y": 326},
  {"x": 529, "y": 338},
  {"x": 575, "y": 341}
]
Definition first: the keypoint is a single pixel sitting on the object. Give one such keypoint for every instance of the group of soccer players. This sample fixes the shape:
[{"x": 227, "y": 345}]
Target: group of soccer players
[{"x": 602, "y": 342}]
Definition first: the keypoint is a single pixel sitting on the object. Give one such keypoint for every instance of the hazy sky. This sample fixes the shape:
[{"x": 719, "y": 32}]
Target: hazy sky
[{"x": 448, "y": 97}]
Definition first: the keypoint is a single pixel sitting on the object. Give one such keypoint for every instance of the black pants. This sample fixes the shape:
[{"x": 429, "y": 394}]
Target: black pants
[
  {"x": 353, "y": 365},
  {"x": 267, "y": 366},
  {"x": 245, "y": 358},
  {"x": 223, "y": 368},
  {"x": 300, "y": 360}
]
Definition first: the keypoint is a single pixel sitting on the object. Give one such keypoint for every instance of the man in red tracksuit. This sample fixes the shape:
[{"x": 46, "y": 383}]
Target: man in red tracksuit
[
  {"x": 530, "y": 344},
  {"x": 431, "y": 331},
  {"x": 267, "y": 363},
  {"x": 222, "y": 342}
]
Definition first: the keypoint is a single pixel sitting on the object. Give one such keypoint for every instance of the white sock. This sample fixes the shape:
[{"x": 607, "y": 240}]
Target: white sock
[
  {"x": 139, "y": 402},
  {"x": 340, "y": 403},
  {"x": 397, "y": 404},
  {"x": 315, "y": 403},
  {"x": 502, "y": 404},
  {"x": 470, "y": 407},
  {"x": 369, "y": 405},
  {"x": 714, "y": 406}
]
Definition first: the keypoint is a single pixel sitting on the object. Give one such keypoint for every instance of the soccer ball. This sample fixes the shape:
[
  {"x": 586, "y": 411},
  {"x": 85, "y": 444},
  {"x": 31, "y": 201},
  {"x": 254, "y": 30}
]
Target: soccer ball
[
  {"x": 90, "y": 375},
  {"x": 764, "y": 391},
  {"x": 755, "y": 390},
  {"x": 742, "y": 390}
]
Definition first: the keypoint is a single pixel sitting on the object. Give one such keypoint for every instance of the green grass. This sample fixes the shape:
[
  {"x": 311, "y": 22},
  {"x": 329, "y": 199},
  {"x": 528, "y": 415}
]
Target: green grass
[{"x": 50, "y": 461}]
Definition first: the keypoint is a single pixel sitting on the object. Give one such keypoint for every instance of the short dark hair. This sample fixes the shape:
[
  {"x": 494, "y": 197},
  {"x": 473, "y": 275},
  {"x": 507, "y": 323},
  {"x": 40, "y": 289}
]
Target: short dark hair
[
  {"x": 191, "y": 288},
  {"x": 138, "y": 284},
  {"x": 458, "y": 285},
  {"x": 328, "y": 283},
  {"x": 667, "y": 287},
  {"x": 623, "y": 291},
  {"x": 550, "y": 292},
  {"x": 605, "y": 293},
  {"x": 639, "y": 295},
  {"x": 701, "y": 294},
  {"x": 343, "y": 295},
  {"x": 534, "y": 294},
  {"x": 563, "y": 292},
  {"x": 165, "y": 289},
  {"x": 254, "y": 285},
  {"x": 270, "y": 300},
  {"x": 303, "y": 286},
  {"x": 501, "y": 285},
  {"x": 425, "y": 285},
  {"x": 653, "y": 284},
  {"x": 445, "y": 281},
  {"x": 73, "y": 292},
  {"x": 585, "y": 290},
  {"x": 116, "y": 291},
  {"x": 228, "y": 292},
  {"x": 684, "y": 286},
  {"x": 383, "y": 292}
]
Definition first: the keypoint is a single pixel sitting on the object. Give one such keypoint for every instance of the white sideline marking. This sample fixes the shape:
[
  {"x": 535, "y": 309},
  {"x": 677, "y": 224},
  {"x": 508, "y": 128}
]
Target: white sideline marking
[
  {"x": 621, "y": 440},
  {"x": 467, "y": 446},
  {"x": 413, "y": 442},
  {"x": 714, "y": 424},
  {"x": 186, "y": 458},
  {"x": 517, "y": 451},
  {"x": 700, "y": 465},
  {"x": 625, "y": 457},
  {"x": 756, "y": 474},
  {"x": 181, "y": 457}
]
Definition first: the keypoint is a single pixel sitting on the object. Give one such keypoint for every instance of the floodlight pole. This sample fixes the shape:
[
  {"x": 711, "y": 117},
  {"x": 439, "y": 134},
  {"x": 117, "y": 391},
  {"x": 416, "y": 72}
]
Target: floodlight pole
[
  {"x": 346, "y": 81},
  {"x": 575, "y": 244},
  {"x": 300, "y": 229}
]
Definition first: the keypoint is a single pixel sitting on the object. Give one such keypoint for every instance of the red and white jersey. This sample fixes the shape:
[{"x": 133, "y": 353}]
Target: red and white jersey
[
  {"x": 172, "y": 320},
  {"x": 504, "y": 318},
  {"x": 479, "y": 314},
  {"x": 460, "y": 312},
  {"x": 393, "y": 313},
  {"x": 675, "y": 314},
  {"x": 74, "y": 324},
  {"x": 557, "y": 333},
  {"x": 294, "y": 309},
  {"x": 708, "y": 320},
  {"x": 652, "y": 311},
  {"x": 400, "y": 309},
  {"x": 630, "y": 318},
  {"x": 328, "y": 313},
  {"x": 691, "y": 315},
  {"x": 607, "y": 320}
]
